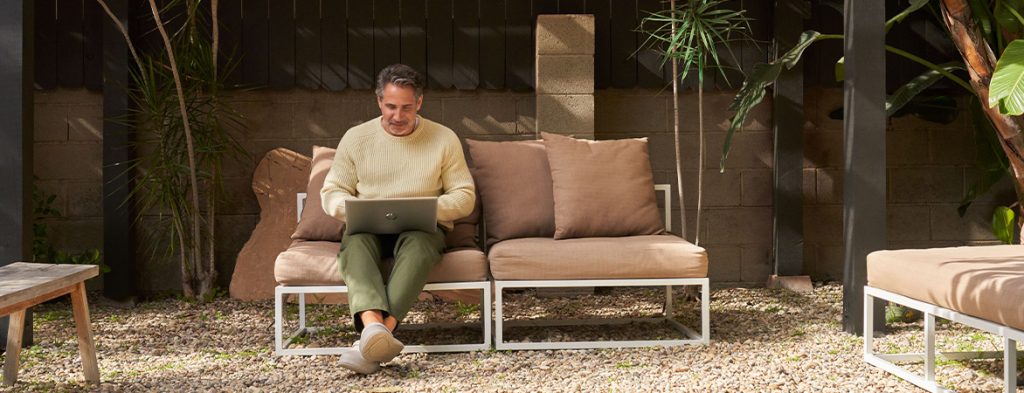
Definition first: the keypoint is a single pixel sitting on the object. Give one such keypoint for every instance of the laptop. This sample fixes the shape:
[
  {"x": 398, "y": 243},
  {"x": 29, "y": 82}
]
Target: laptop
[{"x": 391, "y": 216}]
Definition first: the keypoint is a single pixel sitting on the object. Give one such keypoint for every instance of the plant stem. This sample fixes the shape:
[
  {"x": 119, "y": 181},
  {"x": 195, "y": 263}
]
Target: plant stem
[
  {"x": 930, "y": 65},
  {"x": 675, "y": 130},
  {"x": 195, "y": 243}
]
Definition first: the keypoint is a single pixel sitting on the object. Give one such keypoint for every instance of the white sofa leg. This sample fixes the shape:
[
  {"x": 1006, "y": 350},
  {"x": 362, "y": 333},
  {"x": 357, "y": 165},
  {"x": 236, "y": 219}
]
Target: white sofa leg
[
  {"x": 929, "y": 347},
  {"x": 486, "y": 315},
  {"x": 869, "y": 325},
  {"x": 1010, "y": 365},
  {"x": 705, "y": 312},
  {"x": 277, "y": 321},
  {"x": 498, "y": 317},
  {"x": 302, "y": 311}
]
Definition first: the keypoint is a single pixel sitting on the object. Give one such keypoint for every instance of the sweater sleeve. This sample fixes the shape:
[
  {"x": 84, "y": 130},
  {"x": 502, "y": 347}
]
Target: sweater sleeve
[
  {"x": 340, "y": 183},
  {"x": 459, "y": 192}
]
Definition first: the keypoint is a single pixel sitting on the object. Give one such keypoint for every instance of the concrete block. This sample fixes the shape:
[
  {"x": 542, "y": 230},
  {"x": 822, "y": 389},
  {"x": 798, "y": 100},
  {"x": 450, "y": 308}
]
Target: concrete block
[
  {"x": 824, "y": 101},
  {"x": 57, "y": 188},
  {"x": 931, "y": 184},
  {"x": 85, "y": 122},
  {"x": 331, "y": 116},
  {"x": 724, "y": 264},
  {"x": 905, "y": 147},
  {"x": 823, "y": 224},
  {"x": 721, "y": 189},
  {"x": 618, "y": 112},
  {"x": 952, "y": 147},
  {"x": 756, "y": 187},
  {"x": 810, "y": 185},
  {"x": 526, "y": 115},
  {"x": 756, "y": 262},
  {"x": 1001, "y": 193},
  {"x": 565, "y": 34},
  {"x": 830, "y": 264},
  {"x": 70, "y": 162},
  {"x": 51, "y": 122},
  {"x": 566, "y": 114},
  {"x": 480, "y": 116},
  {"x": 266, "y": 119},
  {"x": 829, "y": 185},
  {"x": 238, "y": 198},
  {"x": 232, "y": 233},
  {"x": 946, "y": 223},
  {"x": 717, "y": 114},
  {"x": 749, "y": 150},
  {"x": 85, "y": 199},
  {"x": 823, "y": 148},
  {"x": 735, "y": 226},
  {"x": 908, "y": 222},
  {"x": 77, "y": 235},
  {"x": 565, "y": 74}
]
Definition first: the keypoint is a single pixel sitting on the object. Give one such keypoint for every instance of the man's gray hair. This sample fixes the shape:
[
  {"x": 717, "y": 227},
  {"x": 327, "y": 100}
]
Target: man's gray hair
[{"x": 400, "y": 75}]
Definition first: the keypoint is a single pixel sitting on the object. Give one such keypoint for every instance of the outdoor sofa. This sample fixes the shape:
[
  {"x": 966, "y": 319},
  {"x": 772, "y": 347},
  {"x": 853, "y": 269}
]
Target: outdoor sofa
[
  {"x": 982, "y": 287},
  {"x": 555, "y": 213}
]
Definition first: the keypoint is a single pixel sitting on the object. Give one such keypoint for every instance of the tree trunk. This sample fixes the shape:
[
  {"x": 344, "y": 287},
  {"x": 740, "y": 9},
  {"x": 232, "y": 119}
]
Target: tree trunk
[{"x": 980, "y": 62}]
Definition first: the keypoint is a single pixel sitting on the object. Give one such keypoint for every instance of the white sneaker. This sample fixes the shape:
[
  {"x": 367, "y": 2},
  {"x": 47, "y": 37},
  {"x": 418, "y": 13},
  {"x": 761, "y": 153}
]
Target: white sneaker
[
  {"x": 353, "y": 360},
  {"x": 377, "y": 344}
]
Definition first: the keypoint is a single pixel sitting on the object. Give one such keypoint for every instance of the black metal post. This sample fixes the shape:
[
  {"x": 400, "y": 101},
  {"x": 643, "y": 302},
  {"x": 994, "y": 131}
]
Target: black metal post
[
  {"x": 788, "y": 116},
  {"x": 864, "y": 215},
  {"x": 118, "y": 210},
  {"x": 16, "y": 105}
]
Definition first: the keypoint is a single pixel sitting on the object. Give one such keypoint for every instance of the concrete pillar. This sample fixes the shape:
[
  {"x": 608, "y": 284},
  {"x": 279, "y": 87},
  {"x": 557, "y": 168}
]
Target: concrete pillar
[{"x": 565, "y": 75}]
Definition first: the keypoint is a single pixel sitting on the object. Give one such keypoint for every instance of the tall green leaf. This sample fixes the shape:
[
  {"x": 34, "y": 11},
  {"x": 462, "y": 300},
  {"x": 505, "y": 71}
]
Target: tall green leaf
[
  {"x": 915, "y": 86},
  {"x": 1007, "y": 87},
  {"x": 1003, "y": 223}
]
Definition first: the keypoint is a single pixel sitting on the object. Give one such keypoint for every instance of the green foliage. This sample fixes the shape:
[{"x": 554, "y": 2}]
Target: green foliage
[
  {"x": 898, "y": 313},
  {"x": 990, "y": 160},
  {"x": 44, "y": 251},
  {"x": 1003, "y": 224},
  {"x": 1006, "y": 91}
]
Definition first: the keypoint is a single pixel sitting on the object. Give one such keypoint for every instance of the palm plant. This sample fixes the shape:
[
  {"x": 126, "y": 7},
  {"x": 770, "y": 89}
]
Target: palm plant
[
  {"x": 689, "y": 36},
  {"x": 180, "y": 106},
  {"x": 980, "y": 29}
]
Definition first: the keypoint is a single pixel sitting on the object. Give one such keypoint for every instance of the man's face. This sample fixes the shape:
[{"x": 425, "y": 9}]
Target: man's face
[{"x": 398, "y": 108}]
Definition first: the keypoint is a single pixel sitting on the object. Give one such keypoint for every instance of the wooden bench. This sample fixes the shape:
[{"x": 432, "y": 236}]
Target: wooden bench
[{"x": 23, "y": 285}]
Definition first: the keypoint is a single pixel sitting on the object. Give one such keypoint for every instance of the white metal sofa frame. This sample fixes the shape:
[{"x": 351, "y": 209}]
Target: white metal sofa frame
[
  {"x": 281, "y": 345},
  {"x": 927, "y": 381},
  {"x": 693, "y": 337}
]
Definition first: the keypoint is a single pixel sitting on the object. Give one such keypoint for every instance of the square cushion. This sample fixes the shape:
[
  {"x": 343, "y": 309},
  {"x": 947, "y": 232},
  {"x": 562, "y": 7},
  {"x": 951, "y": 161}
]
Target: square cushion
[
  {"x": 986, "y": 282},
  {"x": 596, "y": 258},
  {"x": 316, "y": 263},
  {"x": 514, "y": 181},
  {"x": 602, "y": 188},
  {"x": 315, "y": 224}
]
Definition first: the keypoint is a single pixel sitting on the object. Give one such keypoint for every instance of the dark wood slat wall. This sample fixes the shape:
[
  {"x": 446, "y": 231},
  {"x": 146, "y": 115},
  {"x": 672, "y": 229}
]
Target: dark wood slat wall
[
  {"x": 281, "y": 56},
  {"x": 360, "y": 44},
  {"x": 308, "y": 57},
  {"x": 466, "y": 45},
  {"x": 334, "y": 44},
  {"x": 492, "y": 44},
  {"x": 339, "y": 44},
  {"x": 439, "y": 51},
  {"x": 386, "y": 34},
  {"x": 70, "y": 46},
  {"x": 414, "y": 33},
  {"x": 45, "y": 67},
  {"x": 255, "y": 36}
]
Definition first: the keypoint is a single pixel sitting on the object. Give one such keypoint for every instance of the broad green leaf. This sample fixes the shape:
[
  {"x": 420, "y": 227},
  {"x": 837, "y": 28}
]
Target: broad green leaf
[
  {"x": 980, "y": 10},
  {"x": 1007, "y": 87},
  {"x": 915, "y": 86},
  {"x": 1003, "y": 223},
  {"x": 792, "y": 56},
  {"x": 1009, "y": 16},
  {"x": 914, "y": 6}
]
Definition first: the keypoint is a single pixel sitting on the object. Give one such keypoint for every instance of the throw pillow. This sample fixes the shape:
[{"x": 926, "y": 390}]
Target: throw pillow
[
  {"x": 514, "y": 182},
  {"x": 602, "y": 188},
  {"x": 315, "y": 224}
]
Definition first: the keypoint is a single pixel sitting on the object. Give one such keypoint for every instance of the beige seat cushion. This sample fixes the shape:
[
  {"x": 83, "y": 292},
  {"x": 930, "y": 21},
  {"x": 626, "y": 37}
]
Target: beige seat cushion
[
  {"x": 602, "y": 188},
  {"x": 654, "y": 256},
  {"x": 986, "y": 282},
  {"x": 316, "y": 263}
]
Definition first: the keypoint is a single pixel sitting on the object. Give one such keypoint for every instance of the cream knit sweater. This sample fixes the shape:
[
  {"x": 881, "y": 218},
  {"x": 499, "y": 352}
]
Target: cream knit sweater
[{"x": 371, "y": 164}]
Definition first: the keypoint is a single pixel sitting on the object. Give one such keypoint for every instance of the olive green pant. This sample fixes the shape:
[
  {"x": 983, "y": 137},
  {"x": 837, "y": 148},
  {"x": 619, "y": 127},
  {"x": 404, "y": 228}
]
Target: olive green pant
[{"x": 415, "y": 254}]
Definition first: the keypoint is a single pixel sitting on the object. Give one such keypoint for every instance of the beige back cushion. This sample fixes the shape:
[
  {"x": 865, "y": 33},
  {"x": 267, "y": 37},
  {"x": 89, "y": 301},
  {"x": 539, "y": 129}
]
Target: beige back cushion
[
  {"x": 315, "y": 224},
  {"x": 514, "y": 181},
  {"x": 602, "y": 188}
]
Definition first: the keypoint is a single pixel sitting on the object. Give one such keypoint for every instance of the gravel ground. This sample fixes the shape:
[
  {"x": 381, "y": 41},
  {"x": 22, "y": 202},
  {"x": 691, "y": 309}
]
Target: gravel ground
[{"x": 762, "y": 340}]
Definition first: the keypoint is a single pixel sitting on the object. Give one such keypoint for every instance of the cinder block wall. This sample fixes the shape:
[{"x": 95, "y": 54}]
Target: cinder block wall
[{"x": 929, "y": 168}]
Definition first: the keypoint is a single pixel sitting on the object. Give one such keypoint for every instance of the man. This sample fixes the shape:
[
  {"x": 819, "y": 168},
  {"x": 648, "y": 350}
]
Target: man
[{"x": 398, "y": 154}]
